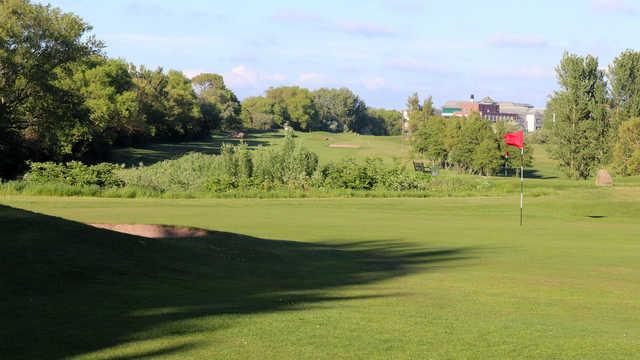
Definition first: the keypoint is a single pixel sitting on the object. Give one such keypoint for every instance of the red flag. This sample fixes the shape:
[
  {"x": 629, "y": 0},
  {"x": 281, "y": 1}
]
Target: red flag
[{"x": 515, "y": 139}]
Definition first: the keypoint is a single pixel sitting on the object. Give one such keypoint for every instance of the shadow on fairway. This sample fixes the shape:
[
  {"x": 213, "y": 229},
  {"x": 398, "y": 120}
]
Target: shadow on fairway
[
  {"x": 535, "y": 174},
  {"x": 70, "y": 289}
]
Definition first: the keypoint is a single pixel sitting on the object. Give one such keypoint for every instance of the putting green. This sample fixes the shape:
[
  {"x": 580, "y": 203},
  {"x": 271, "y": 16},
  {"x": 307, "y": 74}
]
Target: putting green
[{"x": 325, "y": 278}]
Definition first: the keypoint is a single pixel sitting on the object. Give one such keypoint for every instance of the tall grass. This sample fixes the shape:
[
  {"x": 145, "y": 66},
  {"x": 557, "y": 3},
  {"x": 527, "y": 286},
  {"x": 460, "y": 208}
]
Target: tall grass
[{"x": 283, "y": 171}]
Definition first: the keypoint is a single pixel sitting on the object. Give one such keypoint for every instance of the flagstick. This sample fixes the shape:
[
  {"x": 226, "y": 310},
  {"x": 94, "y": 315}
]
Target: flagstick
[{"x": 521, "y": 183}]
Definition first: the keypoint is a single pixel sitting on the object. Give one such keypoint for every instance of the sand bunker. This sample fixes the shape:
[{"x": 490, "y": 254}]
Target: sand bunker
[
  {"x": 153, "y": 231},
  {"x": 344, "y": 146}
]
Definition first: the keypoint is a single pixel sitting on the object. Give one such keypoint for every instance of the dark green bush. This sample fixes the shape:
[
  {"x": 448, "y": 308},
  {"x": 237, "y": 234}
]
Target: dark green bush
[
  {"x": 369, "y": 175},
  {"x": 73, "y": 173}
]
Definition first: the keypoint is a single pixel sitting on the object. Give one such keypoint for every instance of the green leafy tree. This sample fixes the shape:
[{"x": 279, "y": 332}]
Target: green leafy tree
[
  {"x": 487, "y": 158},
  {"x": 182, "y": 106},
  {"x": 257, "y": 113},
  {"x": 452, "y": 134},
  {"x": 151, "y": 88},
  {"x": 37, "y": 44},
  {"x": 624, "y": 77},
  {"x": 340, "y": 110},
  {"x": 626, "y": 152},
  {"x": 476, "y": 149},
  {"x": 383, "y": 122},
  {"x": 429, "y": 140},
  {"x": 294, "y": 105},
  {"x": 219, "y": 104},
  {"x": 580, "y": 135},
  {"x": 414, "y": 112},
  {"x": 109, "y": 100}
]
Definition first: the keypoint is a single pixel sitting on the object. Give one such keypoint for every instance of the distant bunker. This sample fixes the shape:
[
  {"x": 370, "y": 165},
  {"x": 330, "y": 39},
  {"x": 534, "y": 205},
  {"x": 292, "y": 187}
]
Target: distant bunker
[
  {"x": 153, "y": 231},
  {"x": 344, "y": 146}
]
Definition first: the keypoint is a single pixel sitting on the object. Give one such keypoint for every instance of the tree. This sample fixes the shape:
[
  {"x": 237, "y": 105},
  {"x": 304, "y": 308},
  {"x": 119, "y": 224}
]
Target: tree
[
  {"x": 37, "y": 45},
  {"x": 219, "y": 104},
  {"x": 294, "y": 105},
  {"x": 151, "y": 87},
  {"x": 429, "y": 140},
  {"x": 427, "y": 107},
  {"x": 414, "y": 112},
  {"x": 182, "y": 106},
  {"x": 340, "y": 109},
  {"x": 452, "y": 134},
  {"x": 257, "y": 113},
  {"x": 580, "y": 136},
  {"x": 109, "y": 100},
  {"x": 487, "y": 158},
  {"x": 626, "y": 152},
  {"x": 476, "y": 148},
  {"x": 624, "y": 77},
  {"x": 383, "y": 122}
]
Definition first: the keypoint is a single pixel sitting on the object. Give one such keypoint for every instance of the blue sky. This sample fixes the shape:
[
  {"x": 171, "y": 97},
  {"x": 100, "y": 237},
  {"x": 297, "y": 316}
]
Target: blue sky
[{"x": 382, "y": 49}]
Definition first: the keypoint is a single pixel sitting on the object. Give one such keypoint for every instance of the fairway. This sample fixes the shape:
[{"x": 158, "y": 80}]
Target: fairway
[
  {"x": 325, "y": 278},
  {"x": 387, "y": 148}
]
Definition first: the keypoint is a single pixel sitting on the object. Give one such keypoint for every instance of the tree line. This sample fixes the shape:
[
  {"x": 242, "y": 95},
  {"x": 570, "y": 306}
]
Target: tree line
[
  {"x": 62, "y": 98},
  {"x": 470, "y": 144},
  {"x": 334, "y": 110},
  {"x": 593, "y": 120}
]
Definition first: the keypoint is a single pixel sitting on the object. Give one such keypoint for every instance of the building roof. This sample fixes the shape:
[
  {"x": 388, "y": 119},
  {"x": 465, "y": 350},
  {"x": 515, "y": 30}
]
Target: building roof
[
  {"x": 454, "y": 104},
  {"x": 487, "y": 100}
]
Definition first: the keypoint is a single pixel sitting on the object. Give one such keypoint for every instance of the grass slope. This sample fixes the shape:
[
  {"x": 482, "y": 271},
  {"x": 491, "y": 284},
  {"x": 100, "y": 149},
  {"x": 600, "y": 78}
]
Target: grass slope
[
  {"x": 324, "y": 278},
  {"x": 385, "y": 147}
]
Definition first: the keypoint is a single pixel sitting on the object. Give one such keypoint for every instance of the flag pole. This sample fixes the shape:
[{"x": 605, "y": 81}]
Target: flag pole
[{"x": 521, "y": 182}]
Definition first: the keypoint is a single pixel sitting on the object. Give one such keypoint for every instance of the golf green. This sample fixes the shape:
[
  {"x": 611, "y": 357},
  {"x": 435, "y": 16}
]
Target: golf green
[{"x": 441, "y": 278}]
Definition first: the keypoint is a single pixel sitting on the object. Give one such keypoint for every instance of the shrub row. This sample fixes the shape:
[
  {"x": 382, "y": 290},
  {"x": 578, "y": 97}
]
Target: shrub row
[
  {"x": 74, "y": 173},
  {"x": 287, "y": 170}
]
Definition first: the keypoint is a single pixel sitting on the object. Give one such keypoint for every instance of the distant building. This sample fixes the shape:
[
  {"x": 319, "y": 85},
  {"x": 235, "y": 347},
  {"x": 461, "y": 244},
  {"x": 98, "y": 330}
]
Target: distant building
[
  {"x": 487, "y": 108},
  {"x": 534, "y": 119}
]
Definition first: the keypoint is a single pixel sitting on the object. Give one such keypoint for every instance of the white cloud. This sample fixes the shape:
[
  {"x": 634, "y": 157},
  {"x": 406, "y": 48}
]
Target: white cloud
[
  {"x": 530, "y": 72},
  {"x": 615, "y": 6},
  {"x": 295, "y": 16},
  {"x": 373, "y": 83},
  {"x": 367, "y": 29},
  {"x": 411, "y": 64},
  {"x": 310, "y": 76},
  {"x": 191, "y": 73},
  {"x": 315, "y": 79},
  {"x": 158, "y": 41},
  {"x": 360, "y": 28},
  {"x": 516, "y": 41},
  {"x": 245, "y": 77}
]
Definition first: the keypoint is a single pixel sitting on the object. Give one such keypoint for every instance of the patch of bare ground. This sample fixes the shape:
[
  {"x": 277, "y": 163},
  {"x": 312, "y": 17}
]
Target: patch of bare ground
[{"x": 153, "y": 231}]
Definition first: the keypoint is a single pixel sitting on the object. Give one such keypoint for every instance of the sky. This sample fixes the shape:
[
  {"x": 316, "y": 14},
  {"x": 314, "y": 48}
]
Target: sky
[{"x": 384, "y": 50}]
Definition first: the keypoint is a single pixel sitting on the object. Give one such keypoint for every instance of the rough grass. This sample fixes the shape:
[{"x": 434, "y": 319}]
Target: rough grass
[{"x": 324, "y": 278}]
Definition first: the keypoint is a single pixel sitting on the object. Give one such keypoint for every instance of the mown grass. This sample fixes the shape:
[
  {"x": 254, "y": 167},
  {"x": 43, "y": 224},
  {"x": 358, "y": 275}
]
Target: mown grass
[
  {"x": 387, "y": 148},
  {"x": 328, "y": 276},
  {"x": 324, "y": 278}
]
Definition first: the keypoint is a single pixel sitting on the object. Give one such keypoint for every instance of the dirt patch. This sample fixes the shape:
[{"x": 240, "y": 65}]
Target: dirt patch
[
  {"x": 153, "y": 231},
  {"x": 603, "y": 178},
  {"x": 344, "y": 146}
]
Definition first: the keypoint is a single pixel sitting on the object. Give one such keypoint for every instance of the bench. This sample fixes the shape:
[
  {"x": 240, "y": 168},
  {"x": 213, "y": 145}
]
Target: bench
[{"x": 419, "y": 167}]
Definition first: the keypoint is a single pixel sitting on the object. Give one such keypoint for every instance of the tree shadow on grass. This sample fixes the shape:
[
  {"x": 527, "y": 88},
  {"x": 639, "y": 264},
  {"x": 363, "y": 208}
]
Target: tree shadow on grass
[
  {"x": 71, "y": 289},
  {"x": 535, "y": 174}
]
